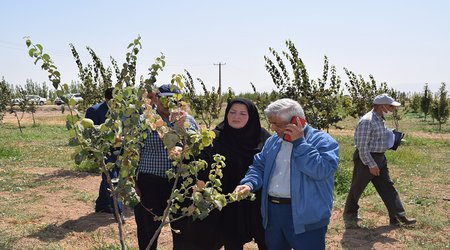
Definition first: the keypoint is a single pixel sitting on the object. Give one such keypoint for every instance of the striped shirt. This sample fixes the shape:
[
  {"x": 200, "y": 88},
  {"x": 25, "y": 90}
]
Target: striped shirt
[
  {"x": 371, "y": 136},
  {"x": 154, "y": 158}
]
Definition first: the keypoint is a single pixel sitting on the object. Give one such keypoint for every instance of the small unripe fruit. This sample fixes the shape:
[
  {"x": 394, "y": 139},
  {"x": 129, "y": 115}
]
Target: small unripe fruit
[{"x": 87, "y": 123}]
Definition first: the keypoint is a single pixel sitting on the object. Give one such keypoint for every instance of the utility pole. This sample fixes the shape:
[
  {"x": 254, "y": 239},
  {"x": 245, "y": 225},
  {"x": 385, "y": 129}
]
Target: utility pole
[{"x": 220, "y": 76}]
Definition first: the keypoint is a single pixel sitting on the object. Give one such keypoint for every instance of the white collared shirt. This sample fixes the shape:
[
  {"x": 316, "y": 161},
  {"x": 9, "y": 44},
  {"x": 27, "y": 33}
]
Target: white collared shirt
[{"x": 280, "y": 181}]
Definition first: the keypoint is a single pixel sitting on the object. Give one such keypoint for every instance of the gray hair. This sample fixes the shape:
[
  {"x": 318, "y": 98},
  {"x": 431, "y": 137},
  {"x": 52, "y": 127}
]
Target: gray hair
[{"x": 285, "y": 109}]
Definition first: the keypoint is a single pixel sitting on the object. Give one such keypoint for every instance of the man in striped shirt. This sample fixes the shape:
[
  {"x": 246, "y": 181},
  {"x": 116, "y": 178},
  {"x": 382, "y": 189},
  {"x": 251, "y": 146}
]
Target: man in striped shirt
[
  {"x": 370, "y": 164},
  {"x": 152, "y": 184}
]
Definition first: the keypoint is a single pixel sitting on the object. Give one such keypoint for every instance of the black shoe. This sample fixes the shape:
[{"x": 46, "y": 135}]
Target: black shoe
[
  {"x": 401, "y": 219},
  {"x": 406, "y": 221},
  {"x": 394, "y": 222}
]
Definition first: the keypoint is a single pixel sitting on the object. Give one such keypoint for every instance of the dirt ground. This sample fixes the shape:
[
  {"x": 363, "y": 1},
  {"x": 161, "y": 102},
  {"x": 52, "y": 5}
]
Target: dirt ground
[{"x": 73, "y": 224}]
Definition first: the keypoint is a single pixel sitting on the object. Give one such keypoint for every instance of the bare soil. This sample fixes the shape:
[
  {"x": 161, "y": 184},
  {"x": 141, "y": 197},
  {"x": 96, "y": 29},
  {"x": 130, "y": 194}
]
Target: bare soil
[{"x": 74, "y": 225}]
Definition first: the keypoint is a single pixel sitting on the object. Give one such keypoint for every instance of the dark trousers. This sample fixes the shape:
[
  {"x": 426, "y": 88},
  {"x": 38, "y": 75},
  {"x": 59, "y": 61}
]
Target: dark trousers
[
  {"x": 280, "y": 233},
  {"x": 155, "y": 191},
  {"x": 105, "y": 201},
  {"x": 383, "y": 184}
]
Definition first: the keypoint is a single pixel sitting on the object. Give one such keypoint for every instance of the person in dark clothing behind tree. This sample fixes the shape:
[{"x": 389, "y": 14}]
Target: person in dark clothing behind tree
[
  {"x": 104, "y": 203},
  {"x": 238, "y": 137},
  {"x": 152, "y": 183}
]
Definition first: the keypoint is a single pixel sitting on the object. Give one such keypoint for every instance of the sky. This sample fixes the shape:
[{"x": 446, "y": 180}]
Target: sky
[{"x": 405, "y": 43}]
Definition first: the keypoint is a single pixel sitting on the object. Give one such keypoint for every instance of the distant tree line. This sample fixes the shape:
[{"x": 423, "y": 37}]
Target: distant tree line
[{"x": 34, "y": 88}]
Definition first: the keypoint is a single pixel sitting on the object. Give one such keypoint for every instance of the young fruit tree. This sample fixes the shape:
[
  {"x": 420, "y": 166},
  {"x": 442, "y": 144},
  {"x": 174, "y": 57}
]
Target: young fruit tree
[
  {"x": 427, "y": 99},
  {"x": 318, "y": 98},
  {"x": 206, "y": 106},
  {"x": 5, "y": 98},
  {"x": 130, "y": 117},
  {"x": 362, "y": 93},
  {"x": 440, "y": 108}
]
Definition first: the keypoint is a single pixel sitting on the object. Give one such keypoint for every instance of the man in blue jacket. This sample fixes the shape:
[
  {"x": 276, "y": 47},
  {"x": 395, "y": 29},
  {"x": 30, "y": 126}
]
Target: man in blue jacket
[
  {"x": 296, "y": 177},
  {"x": 104, "y": 203}
]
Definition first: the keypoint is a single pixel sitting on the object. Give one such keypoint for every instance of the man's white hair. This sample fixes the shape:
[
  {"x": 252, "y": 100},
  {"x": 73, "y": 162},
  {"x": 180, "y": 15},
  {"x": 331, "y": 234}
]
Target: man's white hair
[{"x": 285, "y": 109}]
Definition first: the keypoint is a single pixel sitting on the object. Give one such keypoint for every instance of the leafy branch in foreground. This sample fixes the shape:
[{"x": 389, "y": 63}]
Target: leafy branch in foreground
[{"x": 129, "y": 118}]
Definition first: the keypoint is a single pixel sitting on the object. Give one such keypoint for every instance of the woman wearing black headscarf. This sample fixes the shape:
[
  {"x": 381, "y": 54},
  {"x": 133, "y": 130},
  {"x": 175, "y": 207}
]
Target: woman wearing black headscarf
[{"x": 238, "y": 137}]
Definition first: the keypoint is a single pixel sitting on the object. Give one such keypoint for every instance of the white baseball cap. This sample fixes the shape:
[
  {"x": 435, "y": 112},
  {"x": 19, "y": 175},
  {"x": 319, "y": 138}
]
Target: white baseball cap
[{"x": 384, "y": 99}]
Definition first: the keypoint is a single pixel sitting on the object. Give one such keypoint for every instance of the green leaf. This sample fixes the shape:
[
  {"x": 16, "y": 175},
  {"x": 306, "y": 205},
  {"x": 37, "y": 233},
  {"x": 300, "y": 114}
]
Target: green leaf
[
  {"x": 72, "y": 102},
  {"x": 66, "y": 89},
  {"x": 31, "y": 52},
  {"x": 46, "y": 57},
  {"x": 28, "y": 42},
  {"x": 60, "y": 92},
  {"x": 39, "y": 47},
  {"x": 103, "y": 128},
  {"x": 171, "y": 139}
]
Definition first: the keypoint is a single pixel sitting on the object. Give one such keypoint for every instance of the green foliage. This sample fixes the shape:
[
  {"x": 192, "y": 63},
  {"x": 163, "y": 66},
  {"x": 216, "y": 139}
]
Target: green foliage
[
  {"x": 33, "y": 88},
  {"x": 440, "y": 108},
  {"x": 362, "y": 93},
  {"x": 327, "y": 102},
  {"x": 262, "y": 100},
  {"x": 399, "y": 97},
  {"x": 22, "y": 107},
  {"x": 95, "y": 79},
  {"x": 296, "y": 88},
  {"x": 206, "y": 106},
  {"x": 87, "y": 166},
  {"x": 36, "y": 51},
  {"x": 427, "y": 98},
  {"x": 342, "y": 181},
  {"x": 415, "y": 103},
  {"x": 5, "y": 97},
  {"x": 318, "y": 98},
  {"x": 9, "y": 152},
  {"x": 130, "y": 117}
]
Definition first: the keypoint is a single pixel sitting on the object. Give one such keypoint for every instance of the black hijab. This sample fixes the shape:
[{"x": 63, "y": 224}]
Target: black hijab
[
  {"x": 246, "y": 139},
  {"x": 240, "y": 221}
]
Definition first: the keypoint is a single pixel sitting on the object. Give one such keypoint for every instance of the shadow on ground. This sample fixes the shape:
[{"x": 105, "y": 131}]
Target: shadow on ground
[
  {"x": 356, "y": 237},
  {"x": 87, "y": 223}
]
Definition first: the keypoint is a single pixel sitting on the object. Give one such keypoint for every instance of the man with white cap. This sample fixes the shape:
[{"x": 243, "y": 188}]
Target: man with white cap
[{"x": 370, "y": 164}]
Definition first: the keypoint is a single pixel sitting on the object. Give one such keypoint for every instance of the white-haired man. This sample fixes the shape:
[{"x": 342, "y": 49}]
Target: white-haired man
[{"x": 295, "y": 171}]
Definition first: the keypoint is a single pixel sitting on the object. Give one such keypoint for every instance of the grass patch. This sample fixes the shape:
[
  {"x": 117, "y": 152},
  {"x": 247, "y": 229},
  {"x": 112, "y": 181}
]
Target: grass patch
[
  {"x": 86, "y": 166},
  {"x": 10, "y": 153},
  {"x": 6, "y": 240},
  {"x": 83, "y": 196},
  {"x": 17, "y": 181}
]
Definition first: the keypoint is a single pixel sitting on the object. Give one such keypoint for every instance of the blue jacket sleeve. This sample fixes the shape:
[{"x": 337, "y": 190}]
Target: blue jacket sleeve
[{"x": 317, "y": 156}]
